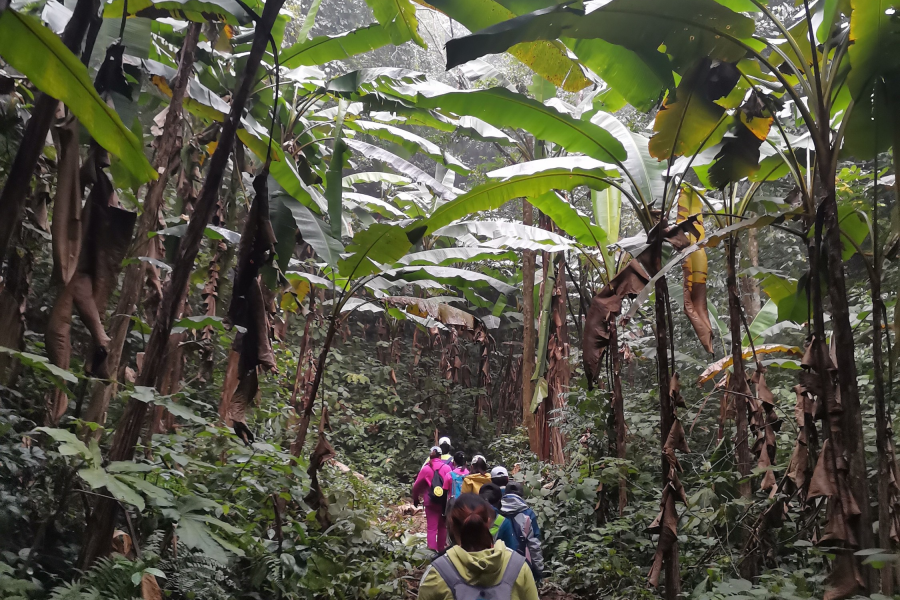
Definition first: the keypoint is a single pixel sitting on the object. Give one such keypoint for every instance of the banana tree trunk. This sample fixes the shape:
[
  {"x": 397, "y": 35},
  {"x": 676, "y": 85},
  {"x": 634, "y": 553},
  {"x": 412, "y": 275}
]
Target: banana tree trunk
[
  {"x": 739, "y": 390},
  {"x": 846, "y": 365},
  {"x": 749, "y": 284},
  {"x": 558, "y": 372},
  {"x": 18, "y": 184},
  {"x": 528, "y": 336},
  {"x": 666, "y": 403},
  {"x": 101, "y": 523},
  {"x": 169, "y": 147},
  {"x": 618, "y": 406},
  {"x": 738, "y": 387}
]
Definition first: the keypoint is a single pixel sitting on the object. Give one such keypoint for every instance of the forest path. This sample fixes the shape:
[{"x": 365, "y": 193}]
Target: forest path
[{"x": 412, "y": 519}]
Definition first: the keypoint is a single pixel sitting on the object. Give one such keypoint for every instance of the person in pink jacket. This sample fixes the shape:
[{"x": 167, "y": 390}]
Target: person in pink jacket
[{"x": 434, "y": 509}]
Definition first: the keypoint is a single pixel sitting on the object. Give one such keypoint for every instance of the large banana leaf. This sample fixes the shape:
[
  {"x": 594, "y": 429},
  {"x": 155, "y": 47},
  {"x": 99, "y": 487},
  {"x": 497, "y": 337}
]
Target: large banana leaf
[
  {"x": 543, "y": 57},
  {"x": 450, "y": 256},
  {"x": 502, "y": 108},
  {"x": 314, "y": 232},
  {"x": 534, "y": 185},
  {"x": 382, "y": 207},
  {"x": 200, "y": 11},
  {"x": 326, "y": 48},
  {"x": 411, "y": 142},
  {"x": 639, "y": 79},
  {"x": 402, "y": 166},
  {"x": 378, "y": 245},
  {"x": 399, "y": 18},
  {"x": 646, "y": 173},
  {"x": 687, "y": 30},
  {"x": 460, "y": 278},
  {"x": 40, "y": 55},
  {"x": 504, "y": 234},
  {"x": 689, "y": 120},
  {"x": 874, "y": 43}
]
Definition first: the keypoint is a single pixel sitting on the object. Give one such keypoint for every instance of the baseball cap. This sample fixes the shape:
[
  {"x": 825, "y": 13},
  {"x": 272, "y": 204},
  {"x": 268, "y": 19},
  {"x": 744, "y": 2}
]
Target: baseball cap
[
  {"x": 444, "y": 440},
  {"x": 435, "y": 449},
  {"x": 499, "y": 472},
  {"x": 478, "y": 457}
]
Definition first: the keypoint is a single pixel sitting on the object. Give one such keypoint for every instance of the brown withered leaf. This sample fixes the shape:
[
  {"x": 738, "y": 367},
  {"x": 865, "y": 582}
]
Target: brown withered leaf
[
  {"x": 67, "y": 228},
  {"x": 676, "y": 439},
  {"x": 243, "y": 397},
  {"x": 150, "y": 588},
  {"x": 823, "y": 482},
  {"x": 844, "y": 580},
  {"x": 675, "y": 391},
  {"x": 668, "y": 532},
  {"x": 255, "y": 249},
  {"x": 608, "y": 301}
]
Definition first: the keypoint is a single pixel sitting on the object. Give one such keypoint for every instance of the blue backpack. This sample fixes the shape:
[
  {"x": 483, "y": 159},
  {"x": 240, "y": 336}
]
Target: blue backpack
[{"x": 457, "y": 484}]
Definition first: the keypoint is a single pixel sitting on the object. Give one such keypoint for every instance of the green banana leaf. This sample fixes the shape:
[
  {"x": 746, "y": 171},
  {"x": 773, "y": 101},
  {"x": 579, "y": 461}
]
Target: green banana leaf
[{"x": 40, "y": 55}]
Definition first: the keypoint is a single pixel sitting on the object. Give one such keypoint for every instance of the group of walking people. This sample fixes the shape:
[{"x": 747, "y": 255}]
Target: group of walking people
[{"x": 494, "y": 540}]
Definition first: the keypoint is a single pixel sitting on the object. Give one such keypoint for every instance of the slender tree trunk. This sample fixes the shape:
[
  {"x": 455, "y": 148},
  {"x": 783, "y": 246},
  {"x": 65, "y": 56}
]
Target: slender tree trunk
[
  {"x": 739, "y": 375},
  {"x": 18, "y": 184},
  {"x": 528, "y": 335},
  {"x": 666, "y": 404},
  {"x": 883, "y": 433},
  {"x": 309, "y": 405},
  {"x": 101, "y": 523},
  {"x": 169, "y": 147},
  {"x": 738, "y": 385},
  {"x": 618, "y": 406},
  {"x": 749, "y": 284}
]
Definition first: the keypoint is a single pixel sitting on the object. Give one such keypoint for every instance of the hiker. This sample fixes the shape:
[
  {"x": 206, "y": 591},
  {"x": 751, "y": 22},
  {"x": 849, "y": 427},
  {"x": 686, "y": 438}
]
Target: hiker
[
  {"x": 458, "y": 473},
  {"x": 502, "y": 529},
  {"x": 514, "y": 507},
  {"x": 433, "y": 483},
  {"x": 500, "y": 477},
  {"x": 476, "y": 567},
  {"x": 478, "y": 477},
  {"x": 446, "y": 449}
]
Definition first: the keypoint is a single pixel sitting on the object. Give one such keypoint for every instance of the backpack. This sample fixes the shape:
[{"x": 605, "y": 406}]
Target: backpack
[
  {"x": 522, "y": 536},
  {"x": 495, "y": 528},
  {"x": 456, "y": 487},
  {"x": 462, "y": 590},
  {"x": 436, "y": 492}
]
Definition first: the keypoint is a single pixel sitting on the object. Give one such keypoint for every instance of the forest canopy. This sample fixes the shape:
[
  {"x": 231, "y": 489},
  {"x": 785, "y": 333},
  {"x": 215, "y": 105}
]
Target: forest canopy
[{"x": 257, "y": 258}]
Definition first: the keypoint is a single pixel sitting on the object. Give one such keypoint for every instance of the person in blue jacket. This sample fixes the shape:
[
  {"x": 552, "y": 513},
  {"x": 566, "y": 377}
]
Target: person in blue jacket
[{"x": 502, "y": 528}]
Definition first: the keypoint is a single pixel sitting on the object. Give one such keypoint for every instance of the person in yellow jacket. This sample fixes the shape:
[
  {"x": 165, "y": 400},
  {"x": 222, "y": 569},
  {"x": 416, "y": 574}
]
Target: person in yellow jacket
[
  {"x": 476, "y": 565},
  {"x": 477, "y": 477}
]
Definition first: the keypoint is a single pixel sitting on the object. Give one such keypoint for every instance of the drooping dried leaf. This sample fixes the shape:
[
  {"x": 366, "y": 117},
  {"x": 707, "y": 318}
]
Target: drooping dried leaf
[
  {"x": 608, "y": 301},
  {"x": 66, "y": 226},
  {"x": 150, "y": 588},
  {"x": 823, "y": 479}
]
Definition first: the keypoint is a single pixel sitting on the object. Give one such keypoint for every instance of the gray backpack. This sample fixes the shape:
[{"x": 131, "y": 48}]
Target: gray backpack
[{"x": 465, "y": 591}]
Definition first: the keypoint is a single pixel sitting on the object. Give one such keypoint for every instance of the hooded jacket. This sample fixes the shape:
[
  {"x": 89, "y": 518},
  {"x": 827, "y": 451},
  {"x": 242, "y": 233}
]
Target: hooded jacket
[
  {"x": 484, "y": 568},
  {"x": 426, "y": 474},
  {"x": 472, "y": 483},
  {"x": 513, "y": 507}
]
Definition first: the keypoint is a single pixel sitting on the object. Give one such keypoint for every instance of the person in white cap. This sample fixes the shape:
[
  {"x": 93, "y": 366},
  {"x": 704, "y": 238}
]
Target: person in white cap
[
  {"x": 446, "y": 450},
  {"x": 500, "y": 477},
  {"x": 478, "y": 477}
]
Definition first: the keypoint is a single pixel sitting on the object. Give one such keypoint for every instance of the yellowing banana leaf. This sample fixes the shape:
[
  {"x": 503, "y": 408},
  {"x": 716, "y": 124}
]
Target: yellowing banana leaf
[{"x": 717, "y": 367}]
